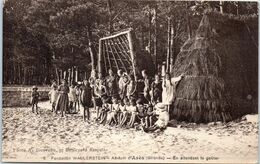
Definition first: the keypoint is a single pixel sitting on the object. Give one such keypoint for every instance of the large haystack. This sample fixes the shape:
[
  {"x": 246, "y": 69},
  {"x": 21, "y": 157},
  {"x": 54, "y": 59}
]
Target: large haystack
[{"x": 221, "y": 67}]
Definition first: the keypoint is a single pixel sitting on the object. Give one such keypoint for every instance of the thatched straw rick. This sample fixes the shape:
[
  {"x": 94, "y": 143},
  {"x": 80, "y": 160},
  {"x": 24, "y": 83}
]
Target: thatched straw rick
[{"x": 220, "y": 67}]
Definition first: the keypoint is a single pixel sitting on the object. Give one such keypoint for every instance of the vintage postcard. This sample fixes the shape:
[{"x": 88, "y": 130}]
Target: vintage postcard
[{"x": 128, "y": 81}]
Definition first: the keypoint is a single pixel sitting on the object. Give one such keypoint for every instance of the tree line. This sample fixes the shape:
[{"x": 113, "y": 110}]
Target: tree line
[{"x": 52, "y": 39}]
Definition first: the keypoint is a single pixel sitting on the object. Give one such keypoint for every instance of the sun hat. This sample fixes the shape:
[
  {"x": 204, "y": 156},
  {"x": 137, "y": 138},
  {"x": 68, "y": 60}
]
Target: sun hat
[{"x": 160, "y": 106}]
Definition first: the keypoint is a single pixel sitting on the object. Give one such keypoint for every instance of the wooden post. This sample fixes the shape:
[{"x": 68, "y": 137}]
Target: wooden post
[
  {"x": 237, "y": 7},
  {"x": 99, "y": 57},
  {"x": 155, "y": 37},
  {"x": 150, "y": 32},
  {"x": 64, "y": 74},
  {"x": 76, "y": 74},
  {"x": 172, "y": 50},
  {"x": 163, "y": 69},
  {"x": 188, "y": 20},
  {"x": 132, "y": 53},
  {"x": 110, "y": 21},
  {"x": 93, "y": 60},
  {"x": 72, "y": 74},
  {"x": 69, "y": 77},
  {"x": 58, "y": 76},
  {"x": 169, "y": 45},
  {"x": 221, "y": 6}
]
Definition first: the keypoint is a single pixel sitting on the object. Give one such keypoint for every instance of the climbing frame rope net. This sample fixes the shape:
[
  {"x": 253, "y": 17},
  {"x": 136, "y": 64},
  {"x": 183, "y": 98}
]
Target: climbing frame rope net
[{"x": 117, "y": 52}]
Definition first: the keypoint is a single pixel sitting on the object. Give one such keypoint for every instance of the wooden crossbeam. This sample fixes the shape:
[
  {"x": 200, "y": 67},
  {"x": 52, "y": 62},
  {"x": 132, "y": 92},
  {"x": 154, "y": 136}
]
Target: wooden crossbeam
[{"x": 114, "y": 36}]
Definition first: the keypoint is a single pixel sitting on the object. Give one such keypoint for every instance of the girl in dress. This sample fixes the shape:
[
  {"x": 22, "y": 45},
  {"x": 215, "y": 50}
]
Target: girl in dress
[
  {"x": 63, "y": 99},
  {"x": 72, "y": 97},
  {"x": 53, "y": 94}
]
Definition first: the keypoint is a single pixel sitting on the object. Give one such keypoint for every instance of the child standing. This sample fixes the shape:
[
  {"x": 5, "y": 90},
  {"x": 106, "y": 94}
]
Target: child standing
[
  {"x": 77, "y": 106},
  {"x": 63, "y": 99},
  {"x": 99, "y": 95},
  {"x": 53, "y": 94},
  {"x": 85, "y": 99},
  {"x": 156, "y": 90},
  {"x": 131, "y": 88},
  {"x": 72, "y": 97},
  {"x": 34, "y": 99}
]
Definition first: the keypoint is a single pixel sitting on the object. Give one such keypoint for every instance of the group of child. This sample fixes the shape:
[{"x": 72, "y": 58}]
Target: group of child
[
  {"x": 116, "y": 100},
  {"x": 125, "y": 113},
  {"x": 131, "y": 113}
]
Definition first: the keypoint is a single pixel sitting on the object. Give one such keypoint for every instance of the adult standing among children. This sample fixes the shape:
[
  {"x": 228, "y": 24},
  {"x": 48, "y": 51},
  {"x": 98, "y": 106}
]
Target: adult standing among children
[
  {"x": 63, "y": 99},
  {"x": 111, "y": 84},
  {"x": 169, "y": 88},
  {"x": 85, "y": 99}
]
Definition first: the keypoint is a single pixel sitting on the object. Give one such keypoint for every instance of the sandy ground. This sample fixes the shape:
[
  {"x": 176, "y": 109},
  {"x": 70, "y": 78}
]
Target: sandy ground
[{"x": 47, "y": 137}]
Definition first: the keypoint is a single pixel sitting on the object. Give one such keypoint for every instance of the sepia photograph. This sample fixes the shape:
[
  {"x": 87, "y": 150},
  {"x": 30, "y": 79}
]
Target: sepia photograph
[{"x": 130, "y": 81}]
